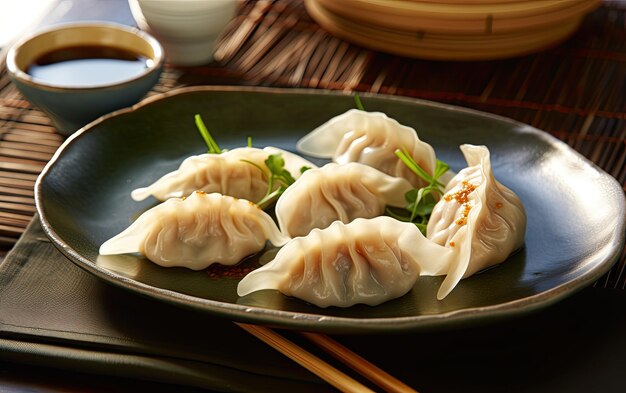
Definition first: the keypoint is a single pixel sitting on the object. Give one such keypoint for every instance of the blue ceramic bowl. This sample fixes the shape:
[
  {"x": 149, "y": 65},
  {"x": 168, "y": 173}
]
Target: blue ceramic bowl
[{"x": 73, "y": 105}]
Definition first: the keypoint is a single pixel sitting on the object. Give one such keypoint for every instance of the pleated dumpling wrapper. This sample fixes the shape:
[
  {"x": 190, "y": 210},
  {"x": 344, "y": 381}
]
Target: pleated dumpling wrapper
[
  {"x": 478, "y": 218},
  {"x": 337, "y": 192},
  {"x": 371, "y": 138},
  {"x": 226, "y": 173},
  {"x": 197, "y": 231},
  {"x": 368, "y": 261}
]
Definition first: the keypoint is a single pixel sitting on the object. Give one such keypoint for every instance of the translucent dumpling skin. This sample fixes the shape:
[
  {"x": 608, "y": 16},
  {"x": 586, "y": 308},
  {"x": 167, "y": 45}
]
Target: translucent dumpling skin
[
  {"x": 476, "y": 224},
  {"x": 197, "y": 231},
  {"x": 367, "y": 261},
  {"x": 227, "y": 173},
  {"x": 337, "y": 192},
  {"x": 370, "y": 138},
  {"x": 478, "y": 218}
]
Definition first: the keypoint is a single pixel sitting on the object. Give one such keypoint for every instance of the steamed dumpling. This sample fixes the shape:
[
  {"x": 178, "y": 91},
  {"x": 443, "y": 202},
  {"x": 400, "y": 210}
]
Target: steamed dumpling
[
  {"x": 197, "y": 231},
  {"x": 337, "y": 192},
  {"x": 479, "y": 218},
  {"x": 370, "y": 138},
  {"x": 226, "y": 173},
  {"x": 367, "y": 261}
]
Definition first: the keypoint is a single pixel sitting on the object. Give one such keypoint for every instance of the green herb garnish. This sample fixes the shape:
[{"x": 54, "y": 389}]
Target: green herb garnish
[
  {"x": 206, "y": 135},
  {"x": 358, "y": 103},
  {"x": 277, "y": 176},
  {"x": 420, "y": 201}
]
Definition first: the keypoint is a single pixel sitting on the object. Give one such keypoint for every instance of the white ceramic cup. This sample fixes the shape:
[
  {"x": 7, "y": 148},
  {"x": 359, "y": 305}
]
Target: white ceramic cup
[{"x": 187, "y": 29}]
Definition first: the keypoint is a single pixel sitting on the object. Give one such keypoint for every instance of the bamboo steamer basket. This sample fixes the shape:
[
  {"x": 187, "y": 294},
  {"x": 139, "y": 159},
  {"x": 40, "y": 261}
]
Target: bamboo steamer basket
[
  {"x": 498, "y": 16},
  {"x": 452, "y": 29}
]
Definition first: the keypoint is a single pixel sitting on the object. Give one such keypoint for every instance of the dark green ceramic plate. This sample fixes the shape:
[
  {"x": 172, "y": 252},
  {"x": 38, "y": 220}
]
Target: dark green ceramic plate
[{"x": 575, "y": 211}]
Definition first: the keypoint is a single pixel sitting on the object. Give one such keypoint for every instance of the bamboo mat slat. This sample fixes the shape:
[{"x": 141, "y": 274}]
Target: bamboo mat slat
[{"x": 574, "y": 91}]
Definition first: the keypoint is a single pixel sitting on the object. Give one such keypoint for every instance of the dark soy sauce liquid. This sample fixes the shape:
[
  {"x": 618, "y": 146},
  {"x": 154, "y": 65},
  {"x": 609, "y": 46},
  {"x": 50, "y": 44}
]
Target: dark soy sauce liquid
[{"x": 82, "y": 66}]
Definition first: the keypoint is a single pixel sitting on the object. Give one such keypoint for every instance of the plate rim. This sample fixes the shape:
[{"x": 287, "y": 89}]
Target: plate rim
[{"x": 329, "y": 323}]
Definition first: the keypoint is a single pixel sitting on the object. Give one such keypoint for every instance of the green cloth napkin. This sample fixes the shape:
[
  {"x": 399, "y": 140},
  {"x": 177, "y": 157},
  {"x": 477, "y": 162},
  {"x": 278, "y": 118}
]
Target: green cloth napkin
[{"x": 52, "y": 313}]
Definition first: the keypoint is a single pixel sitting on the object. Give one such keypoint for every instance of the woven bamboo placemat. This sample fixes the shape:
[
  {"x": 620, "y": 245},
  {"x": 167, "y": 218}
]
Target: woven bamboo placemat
[{"x": 573, "y": 91}]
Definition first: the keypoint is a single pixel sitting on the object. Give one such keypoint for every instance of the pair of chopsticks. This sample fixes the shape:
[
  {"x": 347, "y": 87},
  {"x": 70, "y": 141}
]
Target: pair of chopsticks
[{"x": 324, "y": 370}]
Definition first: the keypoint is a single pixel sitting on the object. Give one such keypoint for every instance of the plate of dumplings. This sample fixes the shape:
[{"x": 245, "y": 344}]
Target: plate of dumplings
[{"x": 330, "y": 211}]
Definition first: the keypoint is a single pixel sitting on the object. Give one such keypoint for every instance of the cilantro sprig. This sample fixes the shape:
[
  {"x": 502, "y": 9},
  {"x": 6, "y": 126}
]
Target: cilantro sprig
[
  {"x": 420, "y": 201},
  {"x": 358, "y": 103},
  {"x": 278, "y": 176},
  {"x": 206, "y": 135}
]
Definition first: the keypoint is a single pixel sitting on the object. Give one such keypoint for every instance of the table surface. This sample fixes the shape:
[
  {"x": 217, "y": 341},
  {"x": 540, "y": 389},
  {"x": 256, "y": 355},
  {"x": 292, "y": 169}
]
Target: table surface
[{"x": 574, "y": 91}]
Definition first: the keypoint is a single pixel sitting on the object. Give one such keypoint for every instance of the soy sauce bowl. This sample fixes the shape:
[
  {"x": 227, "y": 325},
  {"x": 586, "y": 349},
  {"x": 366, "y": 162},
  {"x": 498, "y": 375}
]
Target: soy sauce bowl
[{"x": 73, "y": 103}]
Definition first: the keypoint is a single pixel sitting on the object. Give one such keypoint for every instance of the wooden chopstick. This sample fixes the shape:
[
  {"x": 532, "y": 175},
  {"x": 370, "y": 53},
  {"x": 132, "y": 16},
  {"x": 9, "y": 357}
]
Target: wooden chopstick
[
  {"x": 325, "y": 371},
  {"x": 306, "y": 359},
  {"x": 359, "y": 364}
]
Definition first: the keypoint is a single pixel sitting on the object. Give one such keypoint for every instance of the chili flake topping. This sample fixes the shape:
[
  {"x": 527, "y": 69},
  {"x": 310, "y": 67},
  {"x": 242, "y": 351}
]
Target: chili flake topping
[{"x": 462, "y": 198}]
